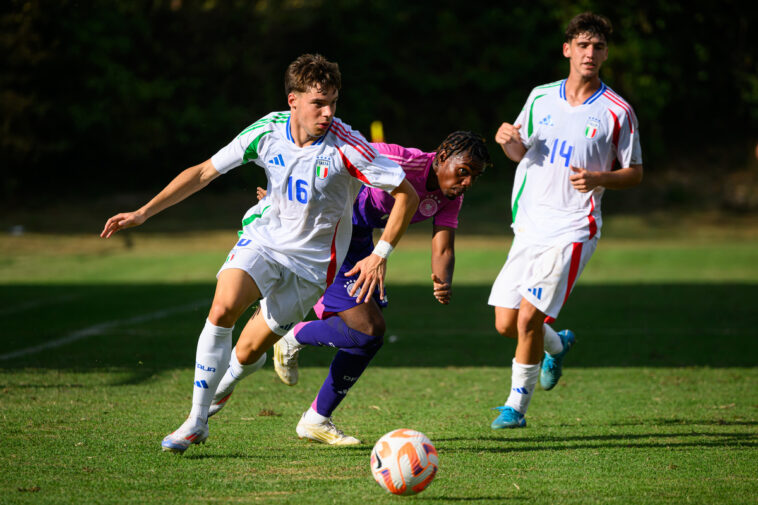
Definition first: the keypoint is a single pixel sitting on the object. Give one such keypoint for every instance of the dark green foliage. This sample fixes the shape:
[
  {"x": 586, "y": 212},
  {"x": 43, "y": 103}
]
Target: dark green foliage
[{"x": 99, "y": 93}]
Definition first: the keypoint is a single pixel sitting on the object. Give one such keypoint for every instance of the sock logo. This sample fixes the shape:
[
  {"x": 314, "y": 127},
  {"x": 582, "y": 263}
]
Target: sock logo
[
  {"x": 349, "y": 379},
  {"x": 522, "y": 391},
  {"x": 206, "y": 368},
  {"x": 201, "y": 384}
]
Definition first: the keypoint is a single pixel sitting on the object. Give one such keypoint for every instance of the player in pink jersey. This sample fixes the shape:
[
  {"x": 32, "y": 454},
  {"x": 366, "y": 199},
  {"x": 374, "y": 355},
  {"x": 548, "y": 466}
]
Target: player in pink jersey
[
  {"x": 355, "y": 328},
  {"x": 568, "y": 139}
]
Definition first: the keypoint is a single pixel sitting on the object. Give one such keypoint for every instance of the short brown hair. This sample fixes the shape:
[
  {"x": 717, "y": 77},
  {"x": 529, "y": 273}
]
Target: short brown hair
[
  {"x": 312, "y": 71},
  {"x": 588, "y": 22}
]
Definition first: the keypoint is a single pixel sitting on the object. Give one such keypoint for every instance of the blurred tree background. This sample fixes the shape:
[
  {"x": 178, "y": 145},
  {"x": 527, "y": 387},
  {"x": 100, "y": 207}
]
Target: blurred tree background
[{"x": 101, "y": 98}]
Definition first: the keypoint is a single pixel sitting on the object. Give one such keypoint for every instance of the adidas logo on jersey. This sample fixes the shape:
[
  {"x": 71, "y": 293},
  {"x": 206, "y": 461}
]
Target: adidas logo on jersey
[
  {"x": 277, "y": 160},
  {"x": 547, "y": 120}
]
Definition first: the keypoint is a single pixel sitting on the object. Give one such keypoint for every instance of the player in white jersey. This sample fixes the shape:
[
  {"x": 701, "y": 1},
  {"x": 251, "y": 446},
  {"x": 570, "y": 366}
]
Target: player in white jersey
[
  {"x": 573, "y": 139},
  {"x": 290, "y": 248}
]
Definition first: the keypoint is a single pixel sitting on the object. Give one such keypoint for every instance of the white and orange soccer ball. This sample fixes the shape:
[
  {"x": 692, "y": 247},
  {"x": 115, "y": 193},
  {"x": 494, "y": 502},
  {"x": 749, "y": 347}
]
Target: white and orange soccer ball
[{"x": 404, "y": 462}]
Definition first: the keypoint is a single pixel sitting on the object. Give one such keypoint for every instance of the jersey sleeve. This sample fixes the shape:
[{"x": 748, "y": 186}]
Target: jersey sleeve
[
  {"x": 448, "y": 215},
  {"x": 523, "y": 119},
  {"x": 399, "y": 154},
  {"x": 366, "y": 164},
  {"x": 244, "y": 148},
  {"x": 628, "y": 150}
]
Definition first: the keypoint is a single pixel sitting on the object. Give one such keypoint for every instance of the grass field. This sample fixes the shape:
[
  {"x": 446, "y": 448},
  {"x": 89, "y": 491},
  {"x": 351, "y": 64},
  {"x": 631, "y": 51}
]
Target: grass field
[{"x": 658, "y": 404}]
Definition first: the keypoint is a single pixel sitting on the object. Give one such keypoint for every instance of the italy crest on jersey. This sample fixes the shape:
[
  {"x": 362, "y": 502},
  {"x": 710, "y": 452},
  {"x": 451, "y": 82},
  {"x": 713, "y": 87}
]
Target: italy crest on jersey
[
  {"x": 590, "y": 129},
  {"x": 323, "y": 165}
]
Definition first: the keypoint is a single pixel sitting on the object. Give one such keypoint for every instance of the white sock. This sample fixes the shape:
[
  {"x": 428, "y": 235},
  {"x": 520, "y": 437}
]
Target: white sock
[
  {"x": 553, "y": 344},
  {"x": 523, "y": 382},
  {"x": 313, "y": 417},
  {"x": 211, "y": 362},
  {"x": 236, "y": 372}
]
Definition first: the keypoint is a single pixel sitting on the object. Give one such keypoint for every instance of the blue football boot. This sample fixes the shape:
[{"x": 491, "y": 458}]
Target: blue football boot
[
  {"x": 508, "y": 418},
  {"x": 552, "y": 364}
]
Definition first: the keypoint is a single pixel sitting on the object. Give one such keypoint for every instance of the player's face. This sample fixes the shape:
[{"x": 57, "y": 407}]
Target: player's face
[
  {"x": 457, "y": 174},
  {"x": 313, "y": 110},
  {"x": 586, "y": 53}
]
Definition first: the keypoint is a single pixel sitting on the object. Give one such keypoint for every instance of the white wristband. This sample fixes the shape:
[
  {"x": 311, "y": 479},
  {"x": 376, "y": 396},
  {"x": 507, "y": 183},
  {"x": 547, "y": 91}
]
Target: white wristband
[{"x": 383, "y": 249}]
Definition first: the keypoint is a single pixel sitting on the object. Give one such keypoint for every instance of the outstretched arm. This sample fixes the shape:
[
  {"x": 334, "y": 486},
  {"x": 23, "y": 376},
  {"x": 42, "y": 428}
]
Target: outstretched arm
[
  {"x": 443, "y": 262},
  {"x": 186, "y": 183},
  {"x": 373, "y": 267}
]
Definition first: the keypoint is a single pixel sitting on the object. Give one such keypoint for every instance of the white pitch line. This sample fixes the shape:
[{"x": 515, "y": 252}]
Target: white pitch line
[
  {"x": 33, "y": 304},
  {"x": 100, "y": 328}
]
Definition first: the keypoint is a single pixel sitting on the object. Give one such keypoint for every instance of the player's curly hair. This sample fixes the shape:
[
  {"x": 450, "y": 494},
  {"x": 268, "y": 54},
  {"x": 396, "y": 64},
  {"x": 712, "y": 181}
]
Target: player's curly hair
[
  {"x": 588, "y": 22},
  {"x": 312, "y": 71},
  {"x": 464, "y": 142}
]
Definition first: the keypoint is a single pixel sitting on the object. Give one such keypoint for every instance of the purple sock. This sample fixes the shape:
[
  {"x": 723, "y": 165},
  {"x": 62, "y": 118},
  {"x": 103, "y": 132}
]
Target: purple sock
[{"x": 356, "y": 349}]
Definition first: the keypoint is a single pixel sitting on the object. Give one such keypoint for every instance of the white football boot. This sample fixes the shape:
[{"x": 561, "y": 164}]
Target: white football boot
[
  {"x": 324, "y": 432},
  {"x": 285, "y": 358},
  {"x": 219, "y": 401},
  {"x": 190, "y": 432}
]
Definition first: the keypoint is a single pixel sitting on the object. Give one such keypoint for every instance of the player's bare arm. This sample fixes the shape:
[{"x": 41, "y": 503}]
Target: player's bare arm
[
  {"x": 443, "y": 262},
  {"x": 509, "y": 138},
  {"x": 585, "y": 180},
  {"x": 183, "y": 185},
  {"x": 373, "y": 267}
]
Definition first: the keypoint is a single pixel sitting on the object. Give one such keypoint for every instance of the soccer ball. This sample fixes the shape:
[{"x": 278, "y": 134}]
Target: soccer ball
[{"x": 404, "y": 462}]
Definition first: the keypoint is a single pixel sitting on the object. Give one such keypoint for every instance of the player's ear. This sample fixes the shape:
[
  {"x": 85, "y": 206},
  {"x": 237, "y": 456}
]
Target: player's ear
[
  {"x": 567, "y": 49},
  {"x": 292, "y": 99}
]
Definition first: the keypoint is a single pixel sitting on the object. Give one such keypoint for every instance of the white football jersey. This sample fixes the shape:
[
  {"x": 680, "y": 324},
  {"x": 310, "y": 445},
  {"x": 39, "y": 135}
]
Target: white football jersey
[
  {"x": 305, "y": 222},
  {"x": 594, "y": 135}
]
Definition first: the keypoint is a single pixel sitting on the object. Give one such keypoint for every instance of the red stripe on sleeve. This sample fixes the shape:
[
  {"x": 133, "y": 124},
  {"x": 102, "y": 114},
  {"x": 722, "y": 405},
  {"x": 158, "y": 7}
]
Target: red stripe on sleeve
[
  {"x": 356, "y": 140},
  {"x": 352, "y": 168},
  {"x": 624, "y": 106},
  {"x": 358, "y": 148}
]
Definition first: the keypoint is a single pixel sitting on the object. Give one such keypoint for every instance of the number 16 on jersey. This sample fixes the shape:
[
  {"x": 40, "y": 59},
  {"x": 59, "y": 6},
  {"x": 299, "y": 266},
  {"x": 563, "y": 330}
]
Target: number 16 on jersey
[{"x": 300, "y": 190}]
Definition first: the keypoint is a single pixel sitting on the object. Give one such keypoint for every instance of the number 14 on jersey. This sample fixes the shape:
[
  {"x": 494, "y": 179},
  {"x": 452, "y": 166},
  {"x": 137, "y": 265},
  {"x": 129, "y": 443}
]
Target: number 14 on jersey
[{"x": 564, "y": 152}]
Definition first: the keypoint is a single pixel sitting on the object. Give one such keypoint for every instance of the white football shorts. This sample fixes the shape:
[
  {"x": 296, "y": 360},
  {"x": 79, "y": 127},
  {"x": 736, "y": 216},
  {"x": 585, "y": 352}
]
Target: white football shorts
[
  {"x": 543, "y": 275},
  {"x": 286, "y": 297}
]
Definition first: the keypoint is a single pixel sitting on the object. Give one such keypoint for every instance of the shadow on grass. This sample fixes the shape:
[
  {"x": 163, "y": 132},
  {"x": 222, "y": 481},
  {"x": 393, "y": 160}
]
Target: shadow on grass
[
  {"x": 630, "y": 441},
  {"x": 657, "y": 325}
]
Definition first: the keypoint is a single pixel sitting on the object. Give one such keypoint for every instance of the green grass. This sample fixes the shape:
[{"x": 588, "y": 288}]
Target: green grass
[{"x": 658, "y": 404}]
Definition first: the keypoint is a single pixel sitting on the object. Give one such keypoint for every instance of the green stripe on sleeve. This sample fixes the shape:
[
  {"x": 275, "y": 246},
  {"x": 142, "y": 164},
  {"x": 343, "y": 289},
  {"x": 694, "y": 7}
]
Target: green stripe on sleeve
[
  {"x": 551, "y": 85},
  {"x": 251, "y": 152},
  {"x": 530, "y": 123},
  {"x": 278, "y": 118}
]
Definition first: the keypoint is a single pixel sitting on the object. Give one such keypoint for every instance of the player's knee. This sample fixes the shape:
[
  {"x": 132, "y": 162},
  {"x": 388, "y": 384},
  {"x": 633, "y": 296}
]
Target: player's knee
[
  {"x": 221, "y": 315},
  {"x": 506, "y": 328},
  {"x": 372, "y": 327},
  {"x": 369, "y": 343},
  {"x": 529, "y": 323}
]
